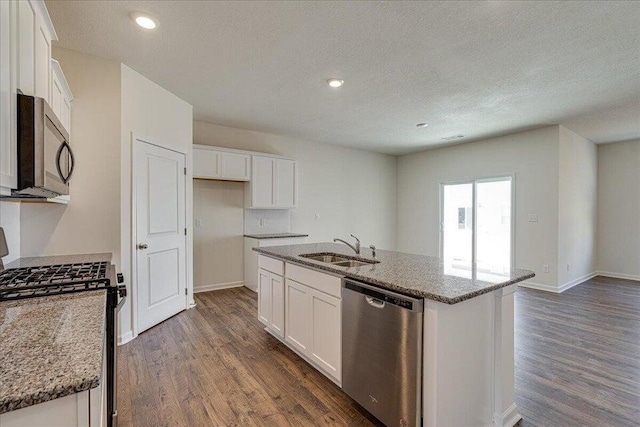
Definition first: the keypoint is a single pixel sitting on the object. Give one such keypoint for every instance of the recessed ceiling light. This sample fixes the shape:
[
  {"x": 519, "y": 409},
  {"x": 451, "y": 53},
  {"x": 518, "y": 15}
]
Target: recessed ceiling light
[
  {"x": 334, "y": 82},
  {"x": 145, "y": 21},
  {"x": 422, "y": 125}
]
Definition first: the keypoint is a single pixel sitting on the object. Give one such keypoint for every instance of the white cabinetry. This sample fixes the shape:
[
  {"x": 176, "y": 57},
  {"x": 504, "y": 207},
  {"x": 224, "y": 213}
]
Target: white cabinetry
[
  {"x": 271, "y": 295},
  {"x": 61, "y": 96},
  {"x": 251, "y": 257},
  {"x": 215, "y": 163},
  {"x": 312, "y": 313},
  {"x": 273, "y": 185},
  {"x": 26, "y": 33}
]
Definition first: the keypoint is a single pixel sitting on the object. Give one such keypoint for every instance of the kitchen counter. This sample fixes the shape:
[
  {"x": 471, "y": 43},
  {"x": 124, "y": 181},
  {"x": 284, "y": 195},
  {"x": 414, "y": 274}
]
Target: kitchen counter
[
  {"x": 417, "y": 275},
  {"x": 275, "y": 235},
  {"x": 50, "y": 346},
  {"x": 59, "y": 259}
]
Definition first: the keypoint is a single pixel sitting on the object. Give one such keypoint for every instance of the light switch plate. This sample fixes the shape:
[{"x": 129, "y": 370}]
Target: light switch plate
[{"x": 533, "y": 217}]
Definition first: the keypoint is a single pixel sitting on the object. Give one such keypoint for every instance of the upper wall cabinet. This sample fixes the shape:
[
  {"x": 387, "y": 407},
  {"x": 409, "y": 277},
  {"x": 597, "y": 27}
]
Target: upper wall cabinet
[
  {"x": 26, "y": 33},
  {"x": 214, "y": 163},
  {"x": 61, "y": 96},
  {"x": 273, "y": 185}
]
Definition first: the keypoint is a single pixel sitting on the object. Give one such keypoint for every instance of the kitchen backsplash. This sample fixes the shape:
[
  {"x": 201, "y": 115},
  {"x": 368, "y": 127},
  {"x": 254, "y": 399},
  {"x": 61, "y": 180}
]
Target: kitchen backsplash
[{"x": 274, "y": 220}]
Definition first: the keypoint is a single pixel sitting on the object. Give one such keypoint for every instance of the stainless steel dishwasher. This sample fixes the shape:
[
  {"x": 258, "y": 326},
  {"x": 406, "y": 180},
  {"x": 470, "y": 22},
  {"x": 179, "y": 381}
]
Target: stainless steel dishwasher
[{"x": 382, "y": 352}]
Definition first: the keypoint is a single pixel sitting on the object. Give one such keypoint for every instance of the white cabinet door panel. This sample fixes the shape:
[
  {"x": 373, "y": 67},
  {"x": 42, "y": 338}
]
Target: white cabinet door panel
[
  {"x": 206, "y": 164},
  {"x": 326, "y": 333},
  {"x": 262, "y": 182},
  {"x": 298, "y": 330},
  {"x": 236, "y": 166},
  {"x": 42, "y": 61},
  {"x": 27, "y": 22},
  {"x": 277, "y": 305},
  {"x": 264, "y": 297}
]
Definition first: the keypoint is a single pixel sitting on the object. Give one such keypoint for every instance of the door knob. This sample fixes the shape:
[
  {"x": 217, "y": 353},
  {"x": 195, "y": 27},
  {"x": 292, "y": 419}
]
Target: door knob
[{"x": 142, "y": 246}]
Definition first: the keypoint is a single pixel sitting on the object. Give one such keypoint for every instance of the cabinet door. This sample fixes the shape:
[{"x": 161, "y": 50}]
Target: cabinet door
[
  {"x": 57, "y": 97},
  {"x": 264, "y": 297},
  {"x": 206, "y": 163},
  {"x": 27, "y": 24},
  {"x": 8, "y": 144},
  {"x": 235, "y": 166},
  {"x": 42, "y": 60},
  {"x": 326, "y": 334},
  {"x": 277, "y": 305},
  {"x": 65, "y": 114},
  {"x": 262, "y": 182},
  {"x": 298, "y": 316},
  {"x": 286, "y": 178}
]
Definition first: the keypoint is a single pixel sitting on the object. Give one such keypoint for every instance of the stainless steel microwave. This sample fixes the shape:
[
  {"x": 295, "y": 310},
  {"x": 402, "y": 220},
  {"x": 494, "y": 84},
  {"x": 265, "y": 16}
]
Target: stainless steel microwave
[{"x": 45, "y": 159}]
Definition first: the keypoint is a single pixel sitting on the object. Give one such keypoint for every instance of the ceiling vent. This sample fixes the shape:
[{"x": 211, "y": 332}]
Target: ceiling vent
[{"x": 450, "y": 138}]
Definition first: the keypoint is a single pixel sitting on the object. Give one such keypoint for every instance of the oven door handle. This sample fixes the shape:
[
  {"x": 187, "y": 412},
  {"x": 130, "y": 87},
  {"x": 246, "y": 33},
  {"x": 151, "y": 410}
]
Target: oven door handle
[{"x": 122, "y": 292}]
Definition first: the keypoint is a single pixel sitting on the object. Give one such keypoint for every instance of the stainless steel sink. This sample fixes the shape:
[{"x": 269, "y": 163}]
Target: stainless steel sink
[
  {"x": 339, "y": 259},
  {"x": 328, "y": 258},
  {"x": 351, "y": 263}
]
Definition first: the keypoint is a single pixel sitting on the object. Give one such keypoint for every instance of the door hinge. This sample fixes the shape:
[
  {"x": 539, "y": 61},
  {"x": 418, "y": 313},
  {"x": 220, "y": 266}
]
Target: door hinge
[
  {"x": 185, "y": 171},
  {"x": 185, "y": 231},
  {"x": 185, "y": 291}
]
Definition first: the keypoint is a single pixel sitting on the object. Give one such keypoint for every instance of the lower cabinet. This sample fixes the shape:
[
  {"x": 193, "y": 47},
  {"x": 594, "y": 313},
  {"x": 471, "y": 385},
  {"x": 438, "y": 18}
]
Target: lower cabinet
[
  {"x": 271, "y": 301},
  {"x": 303, "y": 308}
]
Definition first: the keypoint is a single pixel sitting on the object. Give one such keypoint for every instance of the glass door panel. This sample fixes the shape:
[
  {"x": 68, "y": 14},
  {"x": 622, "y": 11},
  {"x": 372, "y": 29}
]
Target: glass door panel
[
  {"x": 493, "y": 234},
  {"x": 457, "y": 228}
]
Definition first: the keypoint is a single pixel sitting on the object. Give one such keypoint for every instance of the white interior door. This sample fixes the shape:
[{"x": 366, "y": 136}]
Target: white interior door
[{"x": 160, "y": 234}]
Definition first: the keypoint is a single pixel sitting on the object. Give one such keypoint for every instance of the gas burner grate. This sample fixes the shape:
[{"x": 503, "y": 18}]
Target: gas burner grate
[{"x": 29, "y": 282}]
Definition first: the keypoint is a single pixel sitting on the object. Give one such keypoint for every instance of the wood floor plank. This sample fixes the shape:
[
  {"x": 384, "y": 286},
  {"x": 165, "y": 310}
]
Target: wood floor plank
[{"x": 577, "y": 364}]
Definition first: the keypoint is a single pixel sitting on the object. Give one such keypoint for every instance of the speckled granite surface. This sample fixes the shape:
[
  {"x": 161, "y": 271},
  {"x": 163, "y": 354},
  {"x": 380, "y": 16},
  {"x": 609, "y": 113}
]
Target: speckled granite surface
[
  {"x": 50, "y": 347},
  {"x": 417, "y": 275},
  {"x": 275, "y": 235},
  {"x": 59, "y": 259}
]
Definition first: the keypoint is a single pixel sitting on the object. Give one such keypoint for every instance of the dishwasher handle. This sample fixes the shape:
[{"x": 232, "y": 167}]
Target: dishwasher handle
[
  {"x": 379, "y": 297},
  {"x": 374, "y": 301}
]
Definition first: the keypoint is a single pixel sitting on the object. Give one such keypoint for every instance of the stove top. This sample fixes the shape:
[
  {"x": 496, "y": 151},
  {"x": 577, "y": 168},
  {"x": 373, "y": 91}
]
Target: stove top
[{"x": 27, "y": 282}]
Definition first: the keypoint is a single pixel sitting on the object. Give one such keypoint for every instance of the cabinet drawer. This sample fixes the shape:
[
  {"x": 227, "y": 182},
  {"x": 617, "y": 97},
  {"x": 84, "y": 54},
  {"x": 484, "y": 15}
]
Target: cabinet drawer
[
  {"x": 270, "y": 264},
  {"x": 322, "y": 282}
]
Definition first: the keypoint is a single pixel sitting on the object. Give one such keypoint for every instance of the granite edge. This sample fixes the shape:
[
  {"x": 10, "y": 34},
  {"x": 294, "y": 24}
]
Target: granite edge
[{"x": 391, "y": 286}]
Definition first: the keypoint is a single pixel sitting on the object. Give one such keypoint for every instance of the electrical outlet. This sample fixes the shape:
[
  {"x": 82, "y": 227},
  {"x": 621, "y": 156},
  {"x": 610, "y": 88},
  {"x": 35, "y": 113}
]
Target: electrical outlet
[
  {"x": 317, "y": 217},
  {"x": 545, "y": 268},
  {"x": 198, "y": 223},
  {"x": 533, "y": 217},
  {"x": 263, "y": 222}
]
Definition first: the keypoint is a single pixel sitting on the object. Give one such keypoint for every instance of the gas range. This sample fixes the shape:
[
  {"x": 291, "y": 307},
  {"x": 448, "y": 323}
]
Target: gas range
[{"x": 29, "y": 282}]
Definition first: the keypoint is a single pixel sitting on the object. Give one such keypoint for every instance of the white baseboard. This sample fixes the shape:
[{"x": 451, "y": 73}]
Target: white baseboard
[
  {"x": 561, "y": 288},
  {"x": 125, "y": 338},
  {"x": 539, "y": 286},
  {"x": 619, "y": 275},
  {"x": 217, "y": 286},
  {"x": 508, "y": 418}
]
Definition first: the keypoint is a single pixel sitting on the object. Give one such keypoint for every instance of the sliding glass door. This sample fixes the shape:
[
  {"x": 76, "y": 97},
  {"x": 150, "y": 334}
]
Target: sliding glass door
[{"x": 476, "y": 227}]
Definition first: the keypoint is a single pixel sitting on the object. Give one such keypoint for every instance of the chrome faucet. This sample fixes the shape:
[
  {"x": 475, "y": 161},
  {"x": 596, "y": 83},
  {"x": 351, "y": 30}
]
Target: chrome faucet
[{"x": 356, "y": 248}]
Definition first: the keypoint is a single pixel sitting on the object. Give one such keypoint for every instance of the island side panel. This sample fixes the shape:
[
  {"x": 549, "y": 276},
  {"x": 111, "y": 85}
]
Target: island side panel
[{"x": 459, "y": 363}]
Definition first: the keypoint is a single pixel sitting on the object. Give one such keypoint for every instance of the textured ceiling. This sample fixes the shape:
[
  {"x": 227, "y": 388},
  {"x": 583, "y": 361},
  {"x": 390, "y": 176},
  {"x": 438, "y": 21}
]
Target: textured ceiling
[{"x": 477, "y": 69}]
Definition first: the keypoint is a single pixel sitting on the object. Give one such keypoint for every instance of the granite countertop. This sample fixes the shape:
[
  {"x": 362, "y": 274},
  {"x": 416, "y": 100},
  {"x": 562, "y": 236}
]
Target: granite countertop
[
  {"x": 50, "y": 347},
  {"x": 59, "y": 259},
  {"x": 417, "y": 275},
  {"x": 275, "y": 235}
]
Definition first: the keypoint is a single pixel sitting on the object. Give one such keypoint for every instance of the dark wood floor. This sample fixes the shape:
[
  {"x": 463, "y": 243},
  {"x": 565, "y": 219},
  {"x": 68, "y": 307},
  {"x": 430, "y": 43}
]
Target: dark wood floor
[{"x": 577, "y": 364}]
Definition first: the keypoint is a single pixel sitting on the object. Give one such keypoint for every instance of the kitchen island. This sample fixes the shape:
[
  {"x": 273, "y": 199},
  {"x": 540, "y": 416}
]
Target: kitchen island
[{"x": 467, "y": 332}]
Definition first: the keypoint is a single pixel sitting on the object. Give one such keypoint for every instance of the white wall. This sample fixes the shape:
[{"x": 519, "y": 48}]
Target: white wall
[
  {"x": 91, "y": 222},
  {"x": 532, "y": 156},
  {"x": 577, "y": 208},
  {"x": 10, "y": 222},
  {"x": 353, "y": 191},
  {"x": 218, "y": 244},
  {"x": 619, "y": 209},
  {"x": 153, "y": 113}
]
